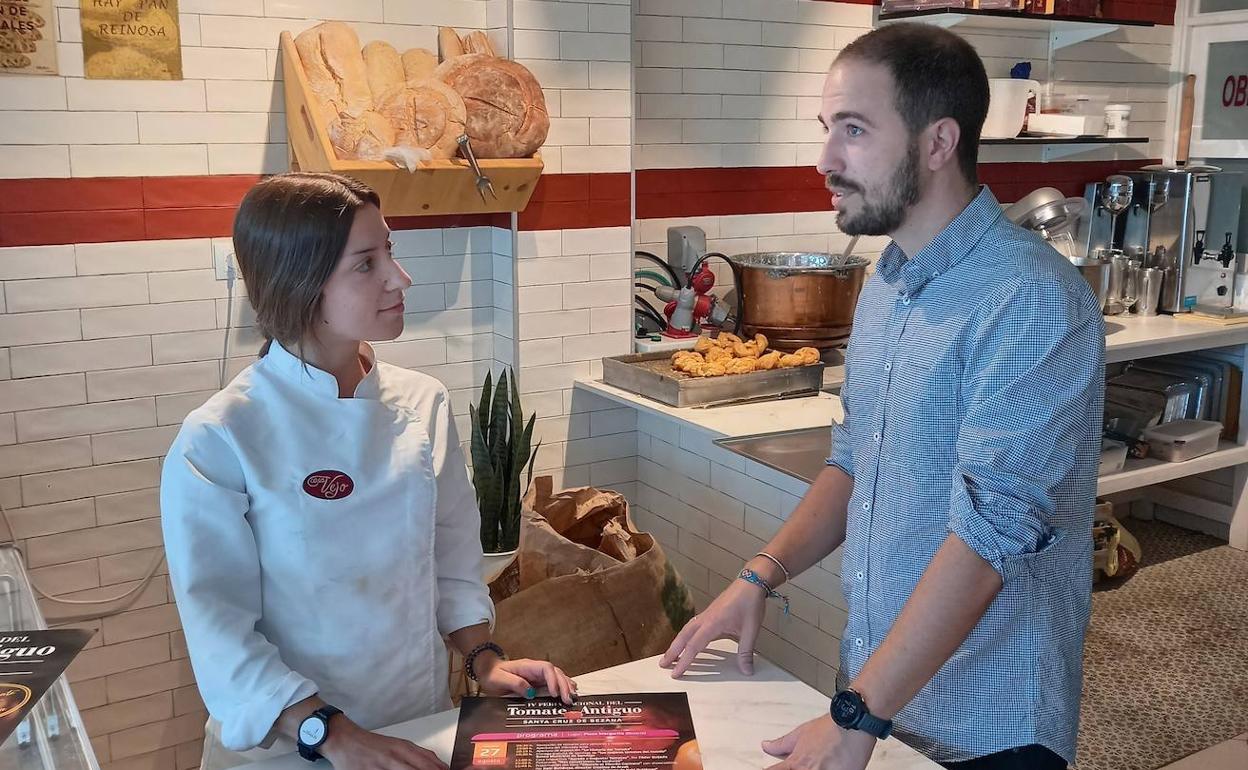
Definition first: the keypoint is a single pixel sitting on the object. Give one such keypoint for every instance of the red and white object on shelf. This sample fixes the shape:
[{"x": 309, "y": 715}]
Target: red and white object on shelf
[{"x": 691, "y": 306}]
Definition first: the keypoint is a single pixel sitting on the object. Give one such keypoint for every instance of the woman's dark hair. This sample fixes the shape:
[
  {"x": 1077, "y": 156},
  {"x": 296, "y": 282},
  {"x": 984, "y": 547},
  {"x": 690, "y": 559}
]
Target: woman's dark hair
[
  {"x": 936, "y": 74},
  {"x": 289, "y": 233}
]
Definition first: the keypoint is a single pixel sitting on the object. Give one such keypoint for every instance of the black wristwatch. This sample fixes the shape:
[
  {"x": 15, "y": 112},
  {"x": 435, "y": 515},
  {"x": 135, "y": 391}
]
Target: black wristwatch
[
  {"x": 314, "y": 730},
  {"x": 849, "y": 711}
]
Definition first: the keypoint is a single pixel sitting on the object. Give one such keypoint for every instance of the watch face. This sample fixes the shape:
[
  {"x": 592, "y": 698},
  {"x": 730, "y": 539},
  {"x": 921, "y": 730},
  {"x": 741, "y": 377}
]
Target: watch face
[
  {"x": 845, "y": 708},
  {"x": 312, "y": 731}
]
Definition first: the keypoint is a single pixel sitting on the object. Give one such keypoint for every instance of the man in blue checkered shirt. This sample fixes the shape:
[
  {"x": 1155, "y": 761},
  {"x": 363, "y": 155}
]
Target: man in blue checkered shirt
[{"x": 962, "y": 479}]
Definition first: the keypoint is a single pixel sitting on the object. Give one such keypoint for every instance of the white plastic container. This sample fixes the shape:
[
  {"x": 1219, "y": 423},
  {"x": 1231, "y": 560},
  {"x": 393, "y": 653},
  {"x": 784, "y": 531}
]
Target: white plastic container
[
  {"x": 1113, "y": 456},
  {"x": 1182, "y": 440},
  {"x": 1117, "y": 118}
]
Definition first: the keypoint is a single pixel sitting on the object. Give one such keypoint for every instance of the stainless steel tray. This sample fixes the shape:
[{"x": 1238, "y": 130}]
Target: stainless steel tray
[{"x": 651, "y": 375}]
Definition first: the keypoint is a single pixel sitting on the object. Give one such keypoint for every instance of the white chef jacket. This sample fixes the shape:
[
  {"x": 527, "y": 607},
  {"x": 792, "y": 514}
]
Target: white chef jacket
[{"x": 319, "y": 544}]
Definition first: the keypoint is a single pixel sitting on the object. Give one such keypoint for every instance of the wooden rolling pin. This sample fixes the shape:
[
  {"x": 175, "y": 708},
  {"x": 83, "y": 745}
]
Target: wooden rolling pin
[{"x": 1186, "y": 109}]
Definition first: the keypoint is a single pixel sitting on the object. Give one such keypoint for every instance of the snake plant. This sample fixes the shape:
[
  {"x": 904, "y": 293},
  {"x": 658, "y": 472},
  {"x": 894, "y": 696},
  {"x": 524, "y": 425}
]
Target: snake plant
[{"x": 500, "y": 452}]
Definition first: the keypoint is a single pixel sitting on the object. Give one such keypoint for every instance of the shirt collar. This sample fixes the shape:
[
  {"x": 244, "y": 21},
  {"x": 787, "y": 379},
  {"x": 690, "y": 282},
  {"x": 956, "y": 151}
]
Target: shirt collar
[
  {"x": 289, "y": 367},
  {"x": 945, "y": 250}
]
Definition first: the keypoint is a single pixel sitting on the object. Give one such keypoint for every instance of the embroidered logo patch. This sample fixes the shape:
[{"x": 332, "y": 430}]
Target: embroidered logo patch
[{"x": 329, "y": 485}]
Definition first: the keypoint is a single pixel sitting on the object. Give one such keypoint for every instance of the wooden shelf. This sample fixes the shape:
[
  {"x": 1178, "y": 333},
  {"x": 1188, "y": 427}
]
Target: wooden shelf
[{"x": 436, "y": 187}]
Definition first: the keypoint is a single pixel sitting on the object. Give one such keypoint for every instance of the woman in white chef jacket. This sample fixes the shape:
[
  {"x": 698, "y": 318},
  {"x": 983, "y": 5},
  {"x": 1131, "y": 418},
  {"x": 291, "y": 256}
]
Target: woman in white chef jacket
[{"x": 320, "y": 526}]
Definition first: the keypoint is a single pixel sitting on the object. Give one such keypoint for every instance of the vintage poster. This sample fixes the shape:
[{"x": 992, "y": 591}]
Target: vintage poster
[
  {"x": 27, "y": 37},
  {"x": 131, "y": 39},
  {"x": 632, "y": 731},
  {"x": 30, "y": 662}
]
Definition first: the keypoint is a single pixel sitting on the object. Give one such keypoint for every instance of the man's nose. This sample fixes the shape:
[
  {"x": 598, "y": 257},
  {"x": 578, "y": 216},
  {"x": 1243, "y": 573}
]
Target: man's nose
[{"x": 830, "y": 160}]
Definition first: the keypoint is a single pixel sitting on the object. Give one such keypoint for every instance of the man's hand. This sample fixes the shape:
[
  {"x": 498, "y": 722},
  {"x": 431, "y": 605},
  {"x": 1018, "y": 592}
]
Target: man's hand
[
  {"x": 737, "y": 613},
  {"x": 351, "y": 747},
  {"x": 821, "y": 745}
]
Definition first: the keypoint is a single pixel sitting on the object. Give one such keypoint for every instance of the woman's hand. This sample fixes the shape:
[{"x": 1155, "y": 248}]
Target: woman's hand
[
  {"x": 737, "y": 613},
  {"x": 351, "y": 747},
  {"x": 522, "y": 677}
]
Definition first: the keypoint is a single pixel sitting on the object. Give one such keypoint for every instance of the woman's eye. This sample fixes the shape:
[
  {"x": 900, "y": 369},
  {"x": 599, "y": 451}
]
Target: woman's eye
[{"x": 364, "y": 266}]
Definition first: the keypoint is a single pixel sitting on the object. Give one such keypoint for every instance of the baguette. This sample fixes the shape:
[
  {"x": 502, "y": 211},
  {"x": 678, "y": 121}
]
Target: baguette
[
  {"x": 335, "y": 68},
  {"x": 384, "y": 68},
  {"x": 478, "y": 42},
  {"x": 449, "y": 44},
  {"x": 418, "y": 65}
]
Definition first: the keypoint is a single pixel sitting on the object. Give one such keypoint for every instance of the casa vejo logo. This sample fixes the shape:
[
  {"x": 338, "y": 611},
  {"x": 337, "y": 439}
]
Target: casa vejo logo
[{"x": 328, "y": 485}]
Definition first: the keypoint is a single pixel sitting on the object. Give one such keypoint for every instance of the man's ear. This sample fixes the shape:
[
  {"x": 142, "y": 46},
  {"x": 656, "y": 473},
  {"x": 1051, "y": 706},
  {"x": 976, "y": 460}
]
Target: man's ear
[{"x": 940, "y": 144}]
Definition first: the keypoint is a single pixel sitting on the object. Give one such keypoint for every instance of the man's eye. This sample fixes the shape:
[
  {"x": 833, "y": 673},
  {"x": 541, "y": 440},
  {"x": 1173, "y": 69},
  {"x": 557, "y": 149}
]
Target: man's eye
[{"x": 853, "y": 130}]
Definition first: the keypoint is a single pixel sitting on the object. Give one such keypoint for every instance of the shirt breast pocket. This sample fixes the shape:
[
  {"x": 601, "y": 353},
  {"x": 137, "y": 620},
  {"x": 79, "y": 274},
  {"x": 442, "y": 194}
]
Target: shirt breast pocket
[{"x": 923, "y": 414}]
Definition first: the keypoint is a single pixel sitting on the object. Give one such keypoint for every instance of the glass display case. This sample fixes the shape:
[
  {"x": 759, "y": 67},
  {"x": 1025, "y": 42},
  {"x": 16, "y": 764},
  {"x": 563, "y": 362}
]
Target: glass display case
[{"x": 51, "y": 737}]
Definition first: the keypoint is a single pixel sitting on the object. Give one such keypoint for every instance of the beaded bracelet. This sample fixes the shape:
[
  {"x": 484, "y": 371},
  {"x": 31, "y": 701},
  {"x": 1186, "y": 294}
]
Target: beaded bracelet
[
  {"x": 750, "y": 576},
  {"x": 471, "y": 658}
]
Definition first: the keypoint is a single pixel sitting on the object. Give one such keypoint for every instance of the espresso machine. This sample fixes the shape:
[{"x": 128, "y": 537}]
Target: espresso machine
[{"x": 1183, "y": 221}]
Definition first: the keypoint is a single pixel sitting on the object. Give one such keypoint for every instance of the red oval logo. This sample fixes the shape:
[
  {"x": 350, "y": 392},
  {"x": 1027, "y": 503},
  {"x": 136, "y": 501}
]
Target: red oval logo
[{"x": 329, "y": 485}]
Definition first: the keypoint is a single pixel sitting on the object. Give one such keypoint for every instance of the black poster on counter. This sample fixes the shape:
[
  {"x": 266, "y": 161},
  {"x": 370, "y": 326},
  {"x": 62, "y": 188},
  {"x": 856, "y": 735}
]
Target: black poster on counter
[
  {"x": 631, "y": 731},
  {"x": 30, "y": 662}
]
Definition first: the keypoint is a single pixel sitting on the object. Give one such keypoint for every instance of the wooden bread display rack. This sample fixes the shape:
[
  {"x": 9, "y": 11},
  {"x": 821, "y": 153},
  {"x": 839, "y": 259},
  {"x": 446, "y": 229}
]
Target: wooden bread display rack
[{"x": 436, "y": 187}]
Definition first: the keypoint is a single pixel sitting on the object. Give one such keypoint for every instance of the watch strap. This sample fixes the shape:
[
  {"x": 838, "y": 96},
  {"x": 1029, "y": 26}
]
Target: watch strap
[{"x": 873, "y": 725}]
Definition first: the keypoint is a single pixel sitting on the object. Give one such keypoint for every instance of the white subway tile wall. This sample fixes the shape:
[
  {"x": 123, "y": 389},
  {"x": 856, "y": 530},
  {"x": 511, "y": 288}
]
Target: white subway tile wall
[
  {"x": 104, "y": 349},
  {"x": 723, "y": 83},
  {"x": 712, "y": 511}
]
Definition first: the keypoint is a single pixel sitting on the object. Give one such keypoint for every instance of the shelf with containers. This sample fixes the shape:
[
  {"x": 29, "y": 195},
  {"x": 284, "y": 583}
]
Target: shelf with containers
[{"x": 1134, "y": 338}]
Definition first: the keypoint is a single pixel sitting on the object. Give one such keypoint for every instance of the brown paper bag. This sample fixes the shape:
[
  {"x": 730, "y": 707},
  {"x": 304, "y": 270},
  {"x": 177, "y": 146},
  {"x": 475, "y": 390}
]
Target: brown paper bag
[{"x": 593, "y": 591}]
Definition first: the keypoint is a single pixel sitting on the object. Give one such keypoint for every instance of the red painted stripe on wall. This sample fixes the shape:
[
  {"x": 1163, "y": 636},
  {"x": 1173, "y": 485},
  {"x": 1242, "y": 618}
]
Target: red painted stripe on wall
[{"x": 36, "y": 212}]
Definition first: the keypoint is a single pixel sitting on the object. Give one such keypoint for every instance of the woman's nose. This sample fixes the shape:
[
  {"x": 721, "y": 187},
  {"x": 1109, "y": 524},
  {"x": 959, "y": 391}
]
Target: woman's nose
[{"x": 399, "y": 279}]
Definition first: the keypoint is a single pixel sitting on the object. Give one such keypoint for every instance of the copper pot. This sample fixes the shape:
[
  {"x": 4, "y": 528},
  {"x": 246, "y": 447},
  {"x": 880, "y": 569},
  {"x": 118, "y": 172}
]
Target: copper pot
[{"x": 799, "y": 299}]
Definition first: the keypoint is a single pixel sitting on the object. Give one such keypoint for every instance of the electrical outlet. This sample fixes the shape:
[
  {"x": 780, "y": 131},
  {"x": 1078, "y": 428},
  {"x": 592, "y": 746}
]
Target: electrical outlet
[{"x": 222, "y": 258}]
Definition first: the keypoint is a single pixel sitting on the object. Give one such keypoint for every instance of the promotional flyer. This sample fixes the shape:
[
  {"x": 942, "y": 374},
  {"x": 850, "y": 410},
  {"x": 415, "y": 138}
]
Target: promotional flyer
[
  {"x": 30, "y": 661},
  {"x": 629, "y": 731}
]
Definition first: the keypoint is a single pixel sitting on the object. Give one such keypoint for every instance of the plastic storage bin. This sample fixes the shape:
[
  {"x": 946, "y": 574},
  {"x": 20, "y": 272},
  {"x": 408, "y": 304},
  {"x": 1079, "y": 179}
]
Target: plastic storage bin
[{"x": 1183, "y": 439}]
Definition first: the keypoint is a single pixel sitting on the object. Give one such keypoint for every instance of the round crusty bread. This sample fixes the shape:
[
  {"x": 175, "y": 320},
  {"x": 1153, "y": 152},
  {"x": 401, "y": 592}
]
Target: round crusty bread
[
  {"x": 429, "y": 115},
  {"x": 364, "y": 138},
  {"x": 506, "y": 108}
]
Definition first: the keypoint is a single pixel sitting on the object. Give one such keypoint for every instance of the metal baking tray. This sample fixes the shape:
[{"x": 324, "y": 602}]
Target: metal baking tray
[{"x": 651, "y": 375}]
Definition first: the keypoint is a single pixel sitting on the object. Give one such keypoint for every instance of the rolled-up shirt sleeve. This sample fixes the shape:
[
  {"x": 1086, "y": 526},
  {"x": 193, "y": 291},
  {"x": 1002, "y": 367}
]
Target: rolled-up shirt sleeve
[
  {"x": 841, "y": 454},
  {"x": 214, "y": 567},
  {"x": 463, "y": 599},
  {"x": 1031, "y": 397}
]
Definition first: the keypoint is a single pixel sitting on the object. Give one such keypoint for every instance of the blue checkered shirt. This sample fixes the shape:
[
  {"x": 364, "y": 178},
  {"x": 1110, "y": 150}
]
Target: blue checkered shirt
[{"x": 973, "y": 397}]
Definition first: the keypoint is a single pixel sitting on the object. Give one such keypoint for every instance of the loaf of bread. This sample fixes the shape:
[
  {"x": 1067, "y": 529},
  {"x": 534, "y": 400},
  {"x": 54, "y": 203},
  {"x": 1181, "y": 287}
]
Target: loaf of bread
[
  {"x": 334, "y": 65},
  {"x": 361, "y": 138},
  {"x": 418, "y": 65},
  {"x": 478, "y": 42},
  {"x": 449, "y": 44},
  {"x": 384, "y": 67},
  {"x": 429, "y": 116},
  {"x": 506, "y": 107}
]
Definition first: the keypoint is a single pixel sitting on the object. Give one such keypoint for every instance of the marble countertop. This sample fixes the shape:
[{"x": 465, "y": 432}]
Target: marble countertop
[{"x": 732, "y": 713}]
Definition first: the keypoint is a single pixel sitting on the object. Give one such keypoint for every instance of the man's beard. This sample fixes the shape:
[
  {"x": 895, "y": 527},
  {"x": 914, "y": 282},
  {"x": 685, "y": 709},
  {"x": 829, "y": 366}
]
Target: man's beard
[{"x": 886, "y": 215}]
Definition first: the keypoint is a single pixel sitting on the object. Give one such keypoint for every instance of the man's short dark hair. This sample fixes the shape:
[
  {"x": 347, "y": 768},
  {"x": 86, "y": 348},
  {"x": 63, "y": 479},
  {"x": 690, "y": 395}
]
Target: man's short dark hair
[{"x": 937, "y": 75}]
